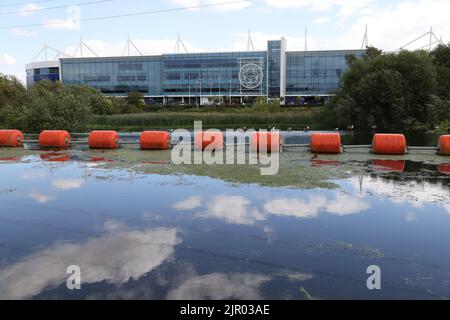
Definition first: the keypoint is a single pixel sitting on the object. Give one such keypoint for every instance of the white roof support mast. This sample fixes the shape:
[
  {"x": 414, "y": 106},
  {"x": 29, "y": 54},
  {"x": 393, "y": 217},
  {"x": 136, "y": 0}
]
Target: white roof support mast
[
  {"x": 45, "y": 49},
  {"x": 432, "y": 40},
  {"x": 365, "y": 42},
  {"x": 179, "y": 44},
  {"x": 250, "y": 46},
  {"x": 128, "y": 45},
  {"x": 80, "y": 46}
]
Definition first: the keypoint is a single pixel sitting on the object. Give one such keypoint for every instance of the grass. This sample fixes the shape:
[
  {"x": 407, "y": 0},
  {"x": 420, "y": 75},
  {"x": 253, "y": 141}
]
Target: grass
[{"x": 238, "y": 118}]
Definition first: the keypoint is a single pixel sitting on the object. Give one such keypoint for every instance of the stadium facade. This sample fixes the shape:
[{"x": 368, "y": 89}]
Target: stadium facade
[{"x": 238, "y": 77}]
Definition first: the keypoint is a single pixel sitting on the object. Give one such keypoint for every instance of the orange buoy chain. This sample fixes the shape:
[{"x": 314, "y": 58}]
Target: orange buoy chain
[{"x": 392, "y": 144}]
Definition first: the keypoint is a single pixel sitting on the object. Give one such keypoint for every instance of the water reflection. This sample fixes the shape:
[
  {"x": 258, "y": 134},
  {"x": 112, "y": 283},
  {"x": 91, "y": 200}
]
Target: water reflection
[
  {"x": 416, "y": 193},
  {"x": 117, "y": 257},
  {"x": 141, "y": 228},
  {"x": 240, "y": 210},
  {"x": 220, "y": 286},
  {"x": 41, "y": 198}
]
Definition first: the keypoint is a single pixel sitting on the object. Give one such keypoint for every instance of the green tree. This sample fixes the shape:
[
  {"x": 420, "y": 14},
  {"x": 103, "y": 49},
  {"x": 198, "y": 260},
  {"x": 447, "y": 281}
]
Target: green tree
[
  {"x": 441, "y": 59},
  {"x": 372, "y": 52},
  {"x": 389, "y": 91},
  {"x": 12, "y": 93},
  {"x": 50, "y": 106},
  {"x": 136, "y": 102},
  {"x": 100, "y": 104}
]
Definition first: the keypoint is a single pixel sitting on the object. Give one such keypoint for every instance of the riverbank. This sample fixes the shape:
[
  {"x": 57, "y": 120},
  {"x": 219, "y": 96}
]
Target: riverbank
[{"x": 292, "y": 118}]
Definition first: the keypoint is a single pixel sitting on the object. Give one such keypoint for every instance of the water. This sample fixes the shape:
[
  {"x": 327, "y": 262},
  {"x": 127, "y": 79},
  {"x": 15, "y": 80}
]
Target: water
[{"x": 141, "y": 228}]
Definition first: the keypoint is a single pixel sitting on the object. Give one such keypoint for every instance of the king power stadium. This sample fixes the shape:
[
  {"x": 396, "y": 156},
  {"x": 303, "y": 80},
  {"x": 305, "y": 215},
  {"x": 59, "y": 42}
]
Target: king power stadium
[{"x": 295, "y": 77}]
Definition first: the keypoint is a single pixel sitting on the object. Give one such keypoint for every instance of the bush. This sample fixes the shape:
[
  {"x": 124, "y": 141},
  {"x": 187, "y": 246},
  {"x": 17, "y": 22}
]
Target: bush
[
  {"x": 50, "y": 106},
  {"x": 389, "y": 92}
]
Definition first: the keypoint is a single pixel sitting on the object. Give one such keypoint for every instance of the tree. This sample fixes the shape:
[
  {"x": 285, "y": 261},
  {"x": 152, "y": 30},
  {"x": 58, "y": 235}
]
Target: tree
[
  {"x": 441, "y": 59},
  {"x": 100, "y": 104},
  {"x": 50, "y": 106},
  {"x": 136, "y": 102},
  {"x": 12, "y": 91},
  {"x": 372, "y": 52},
  {"x": 389, "y": 91}
]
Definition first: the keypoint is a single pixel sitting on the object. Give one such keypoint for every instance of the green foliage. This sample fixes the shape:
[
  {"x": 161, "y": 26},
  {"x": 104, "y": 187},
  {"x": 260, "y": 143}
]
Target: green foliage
[
  {"x": 297, "y": 118},
  {"x": 266, "y": 106},
  {"x": 441, "y": 59},
  {"x": 50, "y": 106},
  {"x": 389, "y": 92},
  {"x": 136, "y": 101},
  {"x": 100, "y": 104},
  {"x": 12, "y": 94}
]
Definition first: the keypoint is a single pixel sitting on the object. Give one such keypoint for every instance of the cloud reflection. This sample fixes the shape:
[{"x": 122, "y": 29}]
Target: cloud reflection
[
  {"x": 41, "y": 198},
  {"x": 341, "y": 205},
  {"x": 68, "y": 184},
  {"x": 232, "y": 209},
  {"x": 239, "y": 210},
  {"x": 220, "y": 286},
  {"x": 414, "y": 193},
  {"x": 117, "y": 257}
]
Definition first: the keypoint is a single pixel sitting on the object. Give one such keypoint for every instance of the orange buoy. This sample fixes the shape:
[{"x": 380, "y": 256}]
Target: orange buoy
[
  {"x": 326, "y": 143},
  {"x": 11, "y": 138},
  {"x": 444, "y": 145},
  {"x": 54, "y": 139},
  {"x": 389, "y": 144},
  {"x": 103, "y": 140},
  {"x": 444, "y": 168},
  {"x": 268, "y": 141},
  {"x": 390, "y": 165},
  {"x": 155, "y": 140},
  {"x": 211, "y": 139}
]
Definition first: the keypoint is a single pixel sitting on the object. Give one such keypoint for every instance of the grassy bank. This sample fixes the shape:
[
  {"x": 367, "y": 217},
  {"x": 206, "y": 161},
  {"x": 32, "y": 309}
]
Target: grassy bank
[{"x": 289, "y": 118}]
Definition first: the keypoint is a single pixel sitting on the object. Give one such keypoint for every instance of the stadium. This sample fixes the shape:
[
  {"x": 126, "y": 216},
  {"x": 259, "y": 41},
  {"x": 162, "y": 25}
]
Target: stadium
[{"x": 295, "y": 77}]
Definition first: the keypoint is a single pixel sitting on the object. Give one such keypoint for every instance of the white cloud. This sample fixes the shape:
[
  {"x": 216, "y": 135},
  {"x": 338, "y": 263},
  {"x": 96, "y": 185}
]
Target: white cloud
[
  {"x": 21, "y": 32},
  {"x": 7, "y": 59},
  {"x": 146, "y": 47},
  {"x": 341, "y": 205},
  {"x": 233, "y": 5},
  {"x": 72, "y": 22},
  {"x": 390, "y": 25},
  {"x": 220, "y": 286},
  {"x": 322, "y": 20},
  {"x": 29, "y": 9},
  {"x": 41, "y": 198},
  {"x": 232, "y": 209},
  {"x": 189, "y": 204},
  {"x": 62, "y": 24},
  {"x": 322, "y": 5},
  {"x": 425, "y": 193},
  {"x": 393, "y": 26},
  {"x": 67, "y": 184},
  {"x": 32, "y": 174},
  {"x": 116, "y": 258}
]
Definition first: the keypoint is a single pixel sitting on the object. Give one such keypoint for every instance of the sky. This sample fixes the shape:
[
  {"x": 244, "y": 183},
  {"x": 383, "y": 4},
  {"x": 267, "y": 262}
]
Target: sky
[{"x": 210, "y": 25}]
